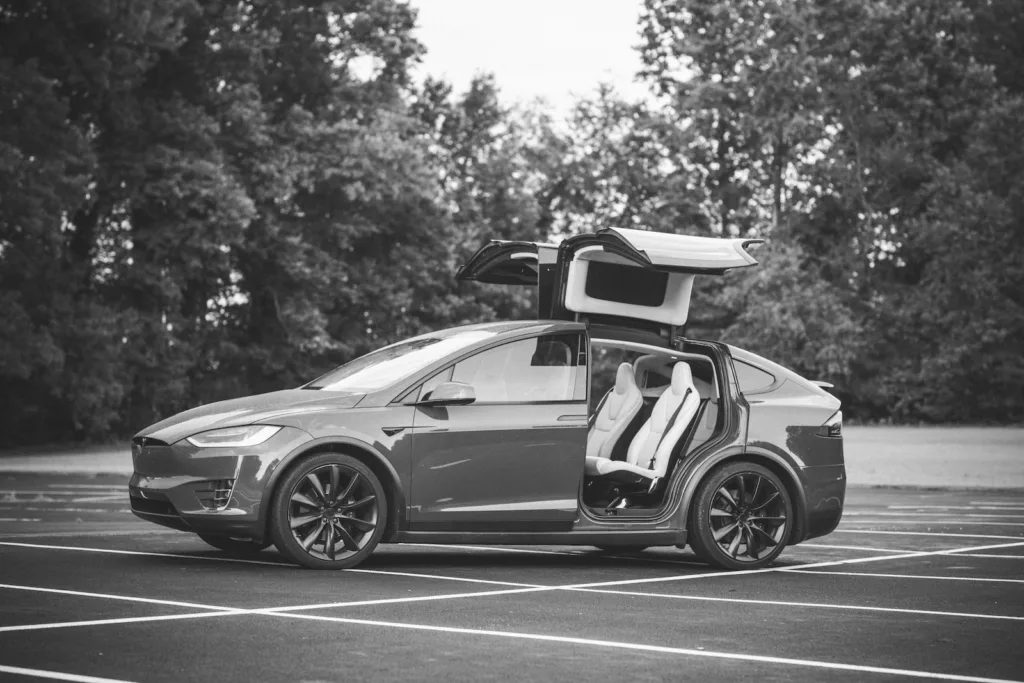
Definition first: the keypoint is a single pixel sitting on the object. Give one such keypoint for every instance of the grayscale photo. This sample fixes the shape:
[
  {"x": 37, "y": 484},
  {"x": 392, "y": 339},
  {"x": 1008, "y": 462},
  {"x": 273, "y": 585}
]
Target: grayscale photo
[{"x": 492, "y": 340}]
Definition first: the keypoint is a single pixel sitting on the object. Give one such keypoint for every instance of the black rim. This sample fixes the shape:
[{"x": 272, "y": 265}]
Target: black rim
[
  {"x": 332, "y": 512},
  {"x": 748, "y": 517}
]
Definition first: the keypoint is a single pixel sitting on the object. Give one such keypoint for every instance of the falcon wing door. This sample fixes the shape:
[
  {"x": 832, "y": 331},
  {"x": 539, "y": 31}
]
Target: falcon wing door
[
  {"x": 503, "y": 263},
  {"x": 514, "y": 263},
  {"x": 640, "y": 280}
]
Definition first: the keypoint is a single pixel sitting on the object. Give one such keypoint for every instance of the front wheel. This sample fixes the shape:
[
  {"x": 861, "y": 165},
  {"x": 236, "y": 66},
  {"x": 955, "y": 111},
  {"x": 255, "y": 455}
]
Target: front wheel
[
  {"x": 329, "y": 512},
  {"x": 741, "y": 518}
]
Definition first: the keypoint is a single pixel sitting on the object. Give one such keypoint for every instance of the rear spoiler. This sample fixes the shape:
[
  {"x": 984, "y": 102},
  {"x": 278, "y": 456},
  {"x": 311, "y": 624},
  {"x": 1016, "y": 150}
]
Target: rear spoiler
[{"x": 823, "y": 385}]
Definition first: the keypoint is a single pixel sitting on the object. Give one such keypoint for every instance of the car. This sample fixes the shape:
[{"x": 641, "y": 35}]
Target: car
[{"x": 598, "y": 423}]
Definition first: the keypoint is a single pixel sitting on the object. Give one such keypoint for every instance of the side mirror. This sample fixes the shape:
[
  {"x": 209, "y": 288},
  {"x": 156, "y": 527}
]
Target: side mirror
[{"x": 449, "y": 394}]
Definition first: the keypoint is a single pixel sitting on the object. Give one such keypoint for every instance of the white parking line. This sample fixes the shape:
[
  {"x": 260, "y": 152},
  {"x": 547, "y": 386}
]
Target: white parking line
[
  {"x": 108, "y": 596},
  {"x": 56, "y": 675},
  {"x": 649, "y": 648},
  {"x": 811, "y": 565},
  {"x": 143, "y": 553},
  {"x": 391, "y": 601},
  {"x": 953, "y": 507},
  {"x": 905, "y": 576},
  {"x": 936, "y": 522},
  {"x": 440, "y": 577},
  {"x": 124, "y": 620},
  {"x": 923, "y": 533},
  {"x": 813, "y": 605},
  {"x": 850, "y": 547},
  {"x": 955, "y": 515},
  {"x": 995, "y": 502}
]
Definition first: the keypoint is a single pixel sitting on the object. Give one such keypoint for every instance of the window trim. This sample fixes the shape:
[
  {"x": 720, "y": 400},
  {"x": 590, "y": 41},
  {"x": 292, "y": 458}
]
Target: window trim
[
  {"x": 766, "y": 388},
  {"x": 406, "y": 398}
]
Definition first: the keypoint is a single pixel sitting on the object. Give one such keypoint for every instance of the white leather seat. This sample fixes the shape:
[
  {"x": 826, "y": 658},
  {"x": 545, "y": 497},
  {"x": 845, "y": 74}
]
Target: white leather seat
[
  {"x": 643, "y": 369},
  {"x": 616, "y": 412},
  {"x": 648, "y": 454}
]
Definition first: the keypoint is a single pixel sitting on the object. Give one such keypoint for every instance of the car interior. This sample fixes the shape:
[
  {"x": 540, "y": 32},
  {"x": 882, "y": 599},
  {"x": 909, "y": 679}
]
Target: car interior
[{"x": 660, "y": 409}]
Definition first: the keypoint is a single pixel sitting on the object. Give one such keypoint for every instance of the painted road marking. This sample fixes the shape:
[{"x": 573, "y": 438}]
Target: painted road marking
[
  {"x": 849, "y": 547},
  {"x": 954, "y": 515},
  {"x": 998, "y": 508},
  {"x": 936, "y": 522},
  {"x": 56, "y": 675},
  {"x": 124, "y": 620},
  {"x": 145, "y": 553},
  {"x": 810, "y": 565},
  {"x": 906, "y": 576},
  {"x": 109, "y": 596},
  {"x": 921, "y": 533},
  {"x": 814, "y": 605},
  {"x": 650, "y": 648}
]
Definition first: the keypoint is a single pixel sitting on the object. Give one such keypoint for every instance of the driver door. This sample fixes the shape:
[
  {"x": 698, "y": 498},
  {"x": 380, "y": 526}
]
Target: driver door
[{"x": 513, "y": 459}]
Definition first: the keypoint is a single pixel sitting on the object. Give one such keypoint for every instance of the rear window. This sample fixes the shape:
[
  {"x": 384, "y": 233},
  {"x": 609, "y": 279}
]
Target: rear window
[
  {"x": 626, "y": 284},
  {"x": 752, "y": 378}
]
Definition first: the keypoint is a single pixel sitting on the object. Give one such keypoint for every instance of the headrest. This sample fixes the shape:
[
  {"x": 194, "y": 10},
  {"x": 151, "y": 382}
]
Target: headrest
[
  {"x": 624, "y": 378},
  {"x": 682, "y": 379},
  {"x": 643, "y": 364}
]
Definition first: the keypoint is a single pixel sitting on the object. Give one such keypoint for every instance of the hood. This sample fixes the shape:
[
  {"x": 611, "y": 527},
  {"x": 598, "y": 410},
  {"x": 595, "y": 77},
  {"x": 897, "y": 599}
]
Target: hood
[{"x": 262, "y": 408}]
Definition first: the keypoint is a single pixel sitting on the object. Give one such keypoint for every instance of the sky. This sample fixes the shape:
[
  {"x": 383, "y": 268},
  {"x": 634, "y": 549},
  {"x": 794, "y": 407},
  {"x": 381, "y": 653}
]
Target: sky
[{"x": 550, "y": 49}]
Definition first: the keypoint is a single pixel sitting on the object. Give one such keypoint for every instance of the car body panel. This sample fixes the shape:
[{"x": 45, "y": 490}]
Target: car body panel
[
  {"x": 458, "y": 485},
  {"x": 666, "y": 251},
  {"x": 261, "y": 408}
]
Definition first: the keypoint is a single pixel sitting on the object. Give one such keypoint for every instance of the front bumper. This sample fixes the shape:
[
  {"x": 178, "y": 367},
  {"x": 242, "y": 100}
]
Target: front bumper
[{"x": 206, "y": 490}]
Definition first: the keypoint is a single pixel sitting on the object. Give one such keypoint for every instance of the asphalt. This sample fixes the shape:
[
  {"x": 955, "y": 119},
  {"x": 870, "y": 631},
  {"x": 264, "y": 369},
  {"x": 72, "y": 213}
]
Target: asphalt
[{"x": 914, "y": 584}]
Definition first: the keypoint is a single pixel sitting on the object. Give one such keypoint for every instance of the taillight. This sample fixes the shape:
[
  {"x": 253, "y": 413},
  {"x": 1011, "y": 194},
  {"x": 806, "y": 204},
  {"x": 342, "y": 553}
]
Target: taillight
[{"x": 833, "y": 426}]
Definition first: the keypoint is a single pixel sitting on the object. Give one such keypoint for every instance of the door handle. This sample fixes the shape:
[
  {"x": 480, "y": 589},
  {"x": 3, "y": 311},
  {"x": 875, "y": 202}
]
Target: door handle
[{"x": 572, "y": 418}]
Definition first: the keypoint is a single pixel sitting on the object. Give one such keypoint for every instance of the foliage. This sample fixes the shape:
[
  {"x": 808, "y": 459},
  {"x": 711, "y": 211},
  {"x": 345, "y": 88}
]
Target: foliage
[{"x": 201, "y": 200}]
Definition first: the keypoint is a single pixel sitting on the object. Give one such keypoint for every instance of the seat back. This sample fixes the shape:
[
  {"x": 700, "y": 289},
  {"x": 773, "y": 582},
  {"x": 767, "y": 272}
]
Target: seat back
[
  {"x": 672, "y": 414},
  {"x": 615, "y": 413}
]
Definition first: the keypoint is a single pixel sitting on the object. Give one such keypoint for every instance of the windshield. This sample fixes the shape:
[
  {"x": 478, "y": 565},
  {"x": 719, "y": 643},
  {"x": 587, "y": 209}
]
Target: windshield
[{"x": 387, "y": 366}]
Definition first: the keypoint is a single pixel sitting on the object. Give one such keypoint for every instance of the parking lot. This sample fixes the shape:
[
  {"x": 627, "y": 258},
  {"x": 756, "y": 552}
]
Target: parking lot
[{"x": 924, "y": 584}]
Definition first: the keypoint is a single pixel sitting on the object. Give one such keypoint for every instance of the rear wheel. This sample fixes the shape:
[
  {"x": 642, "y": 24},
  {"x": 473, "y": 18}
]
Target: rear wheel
[
  {"x": 234, "y": 545},
  {"x": 742, "y": 517},
  {"x": 329, "y": 512}
]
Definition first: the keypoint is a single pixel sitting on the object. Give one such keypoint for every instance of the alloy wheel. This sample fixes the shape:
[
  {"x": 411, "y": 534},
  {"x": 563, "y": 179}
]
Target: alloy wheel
[
  {"x": 332, "y": 512},
  {"x": 747, "y": 517}
]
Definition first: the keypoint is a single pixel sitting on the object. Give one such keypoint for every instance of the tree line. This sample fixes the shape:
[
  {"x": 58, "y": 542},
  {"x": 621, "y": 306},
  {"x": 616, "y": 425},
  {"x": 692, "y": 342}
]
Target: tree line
[{"x": 202, "y": 199}]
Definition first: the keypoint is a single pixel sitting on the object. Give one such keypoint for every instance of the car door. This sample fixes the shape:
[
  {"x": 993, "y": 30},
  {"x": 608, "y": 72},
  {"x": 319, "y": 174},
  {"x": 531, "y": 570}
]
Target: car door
[
  {"x": 505, "y": 262},
  {"x": 513, "y": 459}
]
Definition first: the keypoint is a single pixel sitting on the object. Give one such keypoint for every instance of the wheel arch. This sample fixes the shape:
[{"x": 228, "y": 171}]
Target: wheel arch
[
  {"x": 774, "y": 462},
  {"x": 362, "y": 451}
]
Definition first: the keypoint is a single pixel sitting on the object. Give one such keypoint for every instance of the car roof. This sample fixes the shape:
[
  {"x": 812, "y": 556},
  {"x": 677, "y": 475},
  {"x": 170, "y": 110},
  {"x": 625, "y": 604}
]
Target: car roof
[{"x": 510, "y": 327}]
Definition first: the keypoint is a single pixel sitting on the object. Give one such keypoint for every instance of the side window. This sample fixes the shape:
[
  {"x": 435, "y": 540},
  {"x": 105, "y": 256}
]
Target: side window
[
  {"x": 752, "y": 379},
  {"x": 526, "y": 371}
]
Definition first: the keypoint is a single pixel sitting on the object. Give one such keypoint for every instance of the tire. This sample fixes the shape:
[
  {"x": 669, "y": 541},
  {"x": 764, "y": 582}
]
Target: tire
[
  {"x": 306, "y": 520},
  {"x": 622, "y": 548},
  {"x": 748, "y": 508},
  {"x": 234, "y": 545}
]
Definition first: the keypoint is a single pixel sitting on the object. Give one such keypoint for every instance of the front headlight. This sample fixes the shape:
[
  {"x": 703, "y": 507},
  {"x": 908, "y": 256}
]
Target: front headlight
[{"x": 250, "y": 435}]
